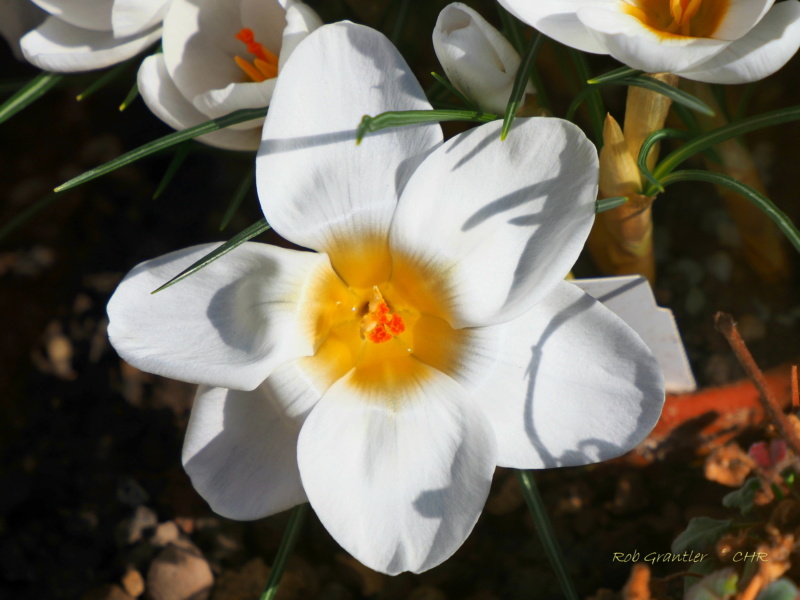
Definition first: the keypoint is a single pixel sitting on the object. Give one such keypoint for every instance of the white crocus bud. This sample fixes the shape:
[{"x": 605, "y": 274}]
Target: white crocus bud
[{"x": 479, "y": 61}]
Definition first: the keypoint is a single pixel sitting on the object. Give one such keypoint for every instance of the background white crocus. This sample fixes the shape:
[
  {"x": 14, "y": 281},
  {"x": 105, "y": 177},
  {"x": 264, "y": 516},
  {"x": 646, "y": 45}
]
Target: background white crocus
[
  {"x": 220, "y": 57},
  {"x": 716, "y": 41},
  {"x": 17, "y": 17},
  {"x": 477, "y": 59},
  {"x": 82, "y": 35},
  {"x": 429, "y": 338}
]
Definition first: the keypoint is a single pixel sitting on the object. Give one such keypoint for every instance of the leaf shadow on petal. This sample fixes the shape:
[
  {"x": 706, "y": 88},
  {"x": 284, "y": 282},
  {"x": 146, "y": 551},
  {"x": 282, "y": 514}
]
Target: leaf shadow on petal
[
  {"x": 439, "y": 504},
  {"x": 589, "y": 450}
]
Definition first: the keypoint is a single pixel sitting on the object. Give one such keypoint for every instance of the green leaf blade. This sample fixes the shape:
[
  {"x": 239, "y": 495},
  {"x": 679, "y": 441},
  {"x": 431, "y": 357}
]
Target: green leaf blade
[
  {"x": 32, "y": 91},
  {"x": 239, "y": 116},
  {"x": 233, "y": 243}
]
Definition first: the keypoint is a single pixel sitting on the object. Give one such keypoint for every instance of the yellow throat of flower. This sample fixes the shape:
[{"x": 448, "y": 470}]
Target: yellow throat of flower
[
  {"x": 384, "y": 329},
  {"x": 683, "y": 18},
  {"x": 264, "y": 65}
]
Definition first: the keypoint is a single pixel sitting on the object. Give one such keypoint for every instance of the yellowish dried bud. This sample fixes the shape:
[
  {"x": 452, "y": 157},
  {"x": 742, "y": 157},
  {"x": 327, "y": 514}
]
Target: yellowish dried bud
[{"x": 619, "y": 174}]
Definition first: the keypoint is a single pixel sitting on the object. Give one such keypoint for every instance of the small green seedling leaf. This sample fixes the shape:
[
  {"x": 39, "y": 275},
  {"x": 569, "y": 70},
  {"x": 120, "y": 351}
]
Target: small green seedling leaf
[
  {"x": 701, "y": 533},
  {"x": 717, "y": 586},
  {"x": 743, "y": 497}
]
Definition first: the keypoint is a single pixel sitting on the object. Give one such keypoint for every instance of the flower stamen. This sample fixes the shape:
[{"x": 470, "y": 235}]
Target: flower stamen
[
  {"x": 265, "y": 64},
  {"x": 379, "y": 324}
]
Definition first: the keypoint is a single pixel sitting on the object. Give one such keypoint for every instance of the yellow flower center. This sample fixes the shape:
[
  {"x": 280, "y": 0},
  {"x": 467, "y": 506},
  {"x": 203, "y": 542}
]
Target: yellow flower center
[
  {"x": 384, "y": 332},
  {"x": 265, "y": 64},
  {"x": 683, "y": 18}
]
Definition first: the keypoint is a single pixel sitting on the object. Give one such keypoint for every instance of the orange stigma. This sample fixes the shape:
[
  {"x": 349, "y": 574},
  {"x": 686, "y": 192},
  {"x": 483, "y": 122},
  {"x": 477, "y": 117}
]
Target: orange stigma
[
  {"x": 265, "y": 63},
  {"x": 379, "y": 325}
]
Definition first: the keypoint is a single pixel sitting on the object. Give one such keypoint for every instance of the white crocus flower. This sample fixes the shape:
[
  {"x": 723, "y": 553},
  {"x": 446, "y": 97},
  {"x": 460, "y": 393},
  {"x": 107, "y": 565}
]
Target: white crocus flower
[
  {"x": 477, "y": 59},
  {"x": 222, "y": 56},
  {"x": 716, "y": 41},
  {"x": 82, "y": 35},
  {"x": 430, "y": 338}
]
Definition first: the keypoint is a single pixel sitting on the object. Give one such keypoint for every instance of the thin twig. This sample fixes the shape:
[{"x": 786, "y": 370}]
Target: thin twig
[{"x": 726, "y": 326}]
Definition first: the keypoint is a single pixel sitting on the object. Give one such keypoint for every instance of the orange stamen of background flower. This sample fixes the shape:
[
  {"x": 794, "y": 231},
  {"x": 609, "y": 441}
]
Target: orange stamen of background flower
[
  {"x": 265, "y": 63},
  {"x": 379, "y": 325}
]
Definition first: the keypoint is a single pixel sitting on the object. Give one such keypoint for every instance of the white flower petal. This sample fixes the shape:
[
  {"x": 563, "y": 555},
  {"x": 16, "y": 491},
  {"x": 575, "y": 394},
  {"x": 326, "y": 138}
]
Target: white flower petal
[
  {"x": 58, "y": 46},
  {"x": 310, "y": 129},
  {"x": 85, "y": 14},
  {"x": 477, "y": 59},
  {"x": 640, "y": 47},
  {"x": 240, "y": 449},
  {"x": 200, "y": 44},
  {"x": 228, "y": 325},
  {"x": 569, "y": 383},
  {"x": 760, "y": 53},
  {"x": 740, "y": 17},
  {"x": 267, "y": 19},
  {"x": 235, "y": 96},
  {"x": 397, "y": 476},
  {"x": 168, "y": 104},
  {"x": 558, "y": 19},
  {"x": 631, "y": 298},
  {"x": 129, "y": 17},
  {"x": 300, "y": 21},
  {"x": 488, "y": 228}
]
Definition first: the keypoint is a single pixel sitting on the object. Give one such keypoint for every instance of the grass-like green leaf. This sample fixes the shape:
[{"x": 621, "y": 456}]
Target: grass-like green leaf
[
  {"x": 241, "y": 191},
  {"x": 766, "y": 205},
  {"x": 26, "y": 214},
  {"x": 676, "y": 95},
  {"x": 131, "y": 96},
  {"x": 597, "y": 110},
  {"x": 521, "y": 82},
  {"x": 30, "y": 92},
  {"x": 648, "y": 143},
  {"x": 605, "y": 204},
  {"x": 172, "y": 168},
  {"x": 453, "y": 90},
  {"x": 290, "y": 535},
  {"x": 733, "y": 130},
  {"x": 393, "y": 118},
  {"x": 102, "y": 81},
  {"x": 614, "y": 76},
  {"x": 546, "y": 534},
  {"x": 239, "y": 116},
  {"x": 236, "y": 241}
]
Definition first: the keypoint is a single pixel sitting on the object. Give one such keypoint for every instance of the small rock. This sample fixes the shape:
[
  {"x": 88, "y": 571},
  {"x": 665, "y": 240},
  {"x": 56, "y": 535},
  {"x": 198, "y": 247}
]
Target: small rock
[
  {"x": 728, "y": 465},
  {"x": 242, "y": 584},
  {"x": 107, "y": 592},
  {"x": 179, "y": 573},
  {"x": 130, "y": 493},
  {"x": 131, "y": 530},
  {"x": 165, "y": 533},
  {"x": 133, "y": 582}
]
